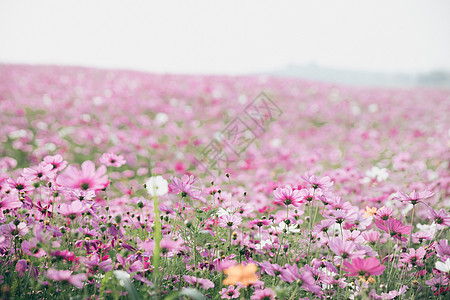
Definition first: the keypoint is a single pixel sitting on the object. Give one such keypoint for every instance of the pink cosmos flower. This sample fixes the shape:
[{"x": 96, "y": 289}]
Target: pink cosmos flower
[
  {"x": 442, "y": 249},
  {"x": 413, "y": 257},
  {"x": 441, "y": 218},
  {"x": 394, "y": 227},
  {"x": 40, "y": 172},
  {"x": 21, "y": 184},
  {"x": 66, "y": 275},
  {"x": 344, "y": 249},
  {"x": 230, "y": 293},
  {"x": 112, "y": 160},
  {"x": 390, "y": 295},
  {"x": 86, "y": 179},
  {"x": 203, "y": 283},
  {"x": 74, "y": 208},
  {"x": 414, "y": 197},
  {"x": 57, "y": 162},
  {"x": 21, "y": 267},
  {"x": 371, "y": 236},
  {"x": 232, "y": 221},
  {"x": 259, "y": 222},
  {"x": 287, "y": 196},
  {"x": 340, "y": 216},
  {"x": 264, "y": 294},
  {"x": 185, "y": 187},
  {"x": 318, "y": 183},
  {"x": 383, "y": 214},
  {"x": 10, "y": 201},
  {"x": 363, "y": 267}
]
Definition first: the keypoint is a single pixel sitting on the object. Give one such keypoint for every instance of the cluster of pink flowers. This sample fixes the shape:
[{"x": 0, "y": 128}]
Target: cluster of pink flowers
[{"x": 82, "y": 212}]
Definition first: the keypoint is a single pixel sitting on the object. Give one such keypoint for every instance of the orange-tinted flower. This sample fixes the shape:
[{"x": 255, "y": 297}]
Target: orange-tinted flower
[
  {"x": 242, "y": 274},
  {"x": 370, "y": 212}
]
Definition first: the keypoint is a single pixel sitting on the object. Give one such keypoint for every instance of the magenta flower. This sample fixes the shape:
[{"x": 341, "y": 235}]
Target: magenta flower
[
  {"x": 259, "y": 222},
  {"x": 287, "y": 196},
  {"x": 86, "y": 179},
  {"x": 72, "y": 209},
  {"x": 66, "y": 275},
  {"x": 414, "y": 197},
  {"x": 112, "y": 160},
  {"x": 394, "y": 227},
  {"x": 363, "y": 267}
]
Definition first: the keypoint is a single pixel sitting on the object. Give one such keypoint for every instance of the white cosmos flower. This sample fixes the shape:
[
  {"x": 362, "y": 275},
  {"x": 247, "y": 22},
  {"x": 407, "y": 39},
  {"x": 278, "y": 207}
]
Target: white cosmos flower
[
  {"x": 223, "y": 212},
  {"x": 289, "y": 228},
  {"x": 157, "y": 185},
  {"x": 379, "y": 174},
  {"x": 443, "y": 267}
]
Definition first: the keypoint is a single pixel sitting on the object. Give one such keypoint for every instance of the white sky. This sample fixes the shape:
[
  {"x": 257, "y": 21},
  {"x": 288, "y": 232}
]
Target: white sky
[{"x": 227, "y": 36}]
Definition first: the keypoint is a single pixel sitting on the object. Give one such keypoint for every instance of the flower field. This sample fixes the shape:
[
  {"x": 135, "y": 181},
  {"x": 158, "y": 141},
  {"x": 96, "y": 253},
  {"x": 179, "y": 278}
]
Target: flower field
[{"x": 128, "y": 185}]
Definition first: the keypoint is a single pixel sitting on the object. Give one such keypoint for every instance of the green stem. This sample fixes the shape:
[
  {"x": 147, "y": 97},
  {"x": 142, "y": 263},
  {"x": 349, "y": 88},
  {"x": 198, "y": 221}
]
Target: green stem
[{"x": 157, "y": 239}]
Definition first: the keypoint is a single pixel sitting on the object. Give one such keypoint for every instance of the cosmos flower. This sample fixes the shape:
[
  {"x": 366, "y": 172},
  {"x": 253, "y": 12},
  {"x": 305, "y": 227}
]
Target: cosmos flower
[
  {"x": 287, "y": 196},
  {"x": 203, "y": 283},
  {"x": 323, "y": 183},
  {"x": 363, "y": 267},
  {"x": 57, "y": 162},
  {"x": 443, "y": 266},
  {"x": 244, "y": 275},
  {"x": 185, "y": 187},
  {"x": 66, "y": 275},
  {"x": 413, "y": 257},
  {"x": 370, "y": 212},
  {"x": 40, "y": 172},
  {"x": 231, "y": 222},
  {"x": 230, "y": 293},
  {"x": 86, "y": 178},
  {"x": 74, "y": 208},
  {"x": 264, "y": 294},
  {"x": 441, "y": 218},
  {"x": 22, "y": 184},
  {"x": 157, "y": 185},
  {"x": 394, "y": 227},
  {"x": 391, "y": 295},
  {"x": 112, "y": 160},
  {"x": 414, "y": 197},
  {"x": 442, "y": 249},
  {"x": 344, "y": 249}
]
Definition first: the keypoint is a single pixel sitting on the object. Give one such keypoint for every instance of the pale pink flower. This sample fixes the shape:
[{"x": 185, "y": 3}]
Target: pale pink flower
[
  {"x": 86, "y": 179},
  {"x": 287, "y": 196},
  {"x": 66, "y": 275},
  {"x": 112, "y": 160},
  {"x": 74, "y": 208}
]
